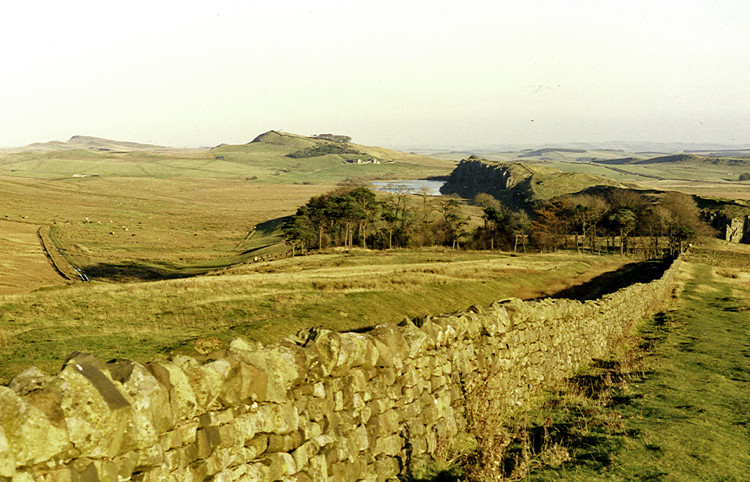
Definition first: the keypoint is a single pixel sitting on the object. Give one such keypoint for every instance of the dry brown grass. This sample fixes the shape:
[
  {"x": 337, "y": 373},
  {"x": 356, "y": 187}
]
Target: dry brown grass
[
  {"x": 23, "y": 264},
  {"x": 175, "y": 222},
  {"x": 725, "y": 190}
]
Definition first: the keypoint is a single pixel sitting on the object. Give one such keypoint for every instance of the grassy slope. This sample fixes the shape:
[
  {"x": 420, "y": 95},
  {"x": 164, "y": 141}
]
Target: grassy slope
[
  {"x": 267, "y": 301},
  {"x": 28, "y": 268},
  {"x": 683, "y": 413},
  {"x": 173, "y": 222},
  {"x": 264, "y": 161}
]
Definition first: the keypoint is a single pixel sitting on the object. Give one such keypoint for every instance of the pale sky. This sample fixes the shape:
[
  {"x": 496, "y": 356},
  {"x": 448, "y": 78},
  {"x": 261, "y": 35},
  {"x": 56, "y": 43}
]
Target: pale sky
[{"x": 389, "y": 73}]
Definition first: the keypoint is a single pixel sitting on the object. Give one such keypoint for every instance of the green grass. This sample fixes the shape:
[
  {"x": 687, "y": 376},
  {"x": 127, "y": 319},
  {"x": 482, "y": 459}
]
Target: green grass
[
  {"x": 267, "y": 301},
  {"x": 260, "y": 161},
  {"x": 673, "y": 408}
]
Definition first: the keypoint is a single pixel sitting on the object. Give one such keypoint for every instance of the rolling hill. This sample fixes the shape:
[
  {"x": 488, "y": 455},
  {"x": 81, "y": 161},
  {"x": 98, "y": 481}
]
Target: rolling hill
[
  {"x": 270, "y": 157},
  {"x": 86, "y": 142}
]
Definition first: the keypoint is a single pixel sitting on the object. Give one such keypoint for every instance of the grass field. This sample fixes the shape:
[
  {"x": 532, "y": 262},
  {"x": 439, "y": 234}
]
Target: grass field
[
  {"x": 267, "y": 301},
  {"x": 170, "y": 224},
  {"x": 670, "y": 404},
  {"x": 23, "y": 264}
]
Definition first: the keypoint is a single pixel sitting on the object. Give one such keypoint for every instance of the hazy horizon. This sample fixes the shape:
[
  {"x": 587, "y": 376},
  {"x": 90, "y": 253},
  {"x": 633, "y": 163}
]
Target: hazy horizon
[{"x": 397, "y": 74}]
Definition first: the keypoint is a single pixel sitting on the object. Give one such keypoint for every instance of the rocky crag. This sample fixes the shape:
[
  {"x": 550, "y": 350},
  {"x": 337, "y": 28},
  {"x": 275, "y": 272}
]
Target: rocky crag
[
  {"x": 518, "y": 185},
  {"x": 319, "y": 406}
]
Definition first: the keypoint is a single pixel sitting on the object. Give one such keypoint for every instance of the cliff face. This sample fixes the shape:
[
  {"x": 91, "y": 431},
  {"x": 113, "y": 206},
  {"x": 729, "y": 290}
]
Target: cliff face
[
  {"x": 505, "y": 181},
  {"x": 518, "y": 185}
]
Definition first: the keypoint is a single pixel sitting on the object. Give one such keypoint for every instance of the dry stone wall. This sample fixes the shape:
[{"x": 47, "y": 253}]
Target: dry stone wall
[{"x": 319, "y": 406}]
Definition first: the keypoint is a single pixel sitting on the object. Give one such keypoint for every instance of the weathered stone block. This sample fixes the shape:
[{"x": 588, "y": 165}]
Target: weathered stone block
[
  {"x": 255, "y": 447},
  {"x": 208, "y": 439},
  {"x": 244, "y": 382},
  {"x": 126, "y": 464},
  {"x": 220, "y": 459},
  {"x": 97, "y": 414},
  {"x": 205, "y": 382},
  {"x": 27, "y": 436},
  {"x": 387, "y": 467},
  {"x": 257, "y": 472},
  {"x": 341, "y": 422},
  {"x": 419, "y": 342},
  {"x": 318, "y": 468},
  {"x": 392, "y": 337},
  {"x": 360, "y": 438},
  {"x": 284, "y": 365},
  {"x": 335, "y": 452},
  {"x": 304, "y": 453},
  {"x": 280, "y": 465},
  {"x": 390, "y": 445},
  {"x": 181, "y": 395},
  {"x": 284, "y": 443},
  {"x": 383, "y": 424},
  {"x": 7, "y": 458},
  {"x": 268, "y": 418}
]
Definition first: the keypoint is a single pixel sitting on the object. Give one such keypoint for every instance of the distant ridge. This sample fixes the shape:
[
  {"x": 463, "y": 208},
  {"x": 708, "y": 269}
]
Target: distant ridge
[
  {"x": 548, "y": 150},
  {"x": 675, "y": 159},
  {"x": 88, "y": 142}
]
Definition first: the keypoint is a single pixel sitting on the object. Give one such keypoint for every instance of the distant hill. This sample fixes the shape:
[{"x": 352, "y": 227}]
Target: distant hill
[
  {"x": 549, "y": 150},
  {"x": 619, "y": 161},
  {"x": 292, "y": 143},
  {"x": 677, "y": 159},
  {"x": 87, "y": 142},
  {"x": 274, "y": 156}
]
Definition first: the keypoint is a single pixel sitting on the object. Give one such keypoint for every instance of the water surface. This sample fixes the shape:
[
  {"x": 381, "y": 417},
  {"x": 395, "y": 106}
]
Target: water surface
[{"x": 411, "y": 186}]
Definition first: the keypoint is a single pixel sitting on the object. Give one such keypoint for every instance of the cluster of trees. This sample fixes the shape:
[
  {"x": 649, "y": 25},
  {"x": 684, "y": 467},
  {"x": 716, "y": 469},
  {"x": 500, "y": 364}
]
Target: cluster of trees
[
  {"x": 350, "y": 216},
  {"x": 322, "y": 150},
  {"x": 622, "y": 220},
  {"x": 333, "y": 137}
]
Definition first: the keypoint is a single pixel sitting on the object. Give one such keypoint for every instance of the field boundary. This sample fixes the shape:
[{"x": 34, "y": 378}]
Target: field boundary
[{"x": 51, "y": 251}]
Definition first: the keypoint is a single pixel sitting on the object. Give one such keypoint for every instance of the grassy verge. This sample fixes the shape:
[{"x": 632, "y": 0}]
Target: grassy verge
[
  {"x": 671, "y": 404},
  {"x": 267, "y": 301}
]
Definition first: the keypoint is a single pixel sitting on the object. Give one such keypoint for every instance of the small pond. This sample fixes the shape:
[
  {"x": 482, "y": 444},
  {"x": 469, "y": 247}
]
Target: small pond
[{"x": 411, "y": 186}]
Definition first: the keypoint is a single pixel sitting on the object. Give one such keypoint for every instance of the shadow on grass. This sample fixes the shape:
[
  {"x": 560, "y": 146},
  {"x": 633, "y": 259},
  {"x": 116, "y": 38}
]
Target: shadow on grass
[
  {"x": 643, "y": 272},
  {"x": 125, "y": 272}
]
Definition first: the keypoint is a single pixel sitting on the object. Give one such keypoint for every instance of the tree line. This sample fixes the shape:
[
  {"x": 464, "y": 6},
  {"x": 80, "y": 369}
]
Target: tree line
[{"x": 612, "y": 220}]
